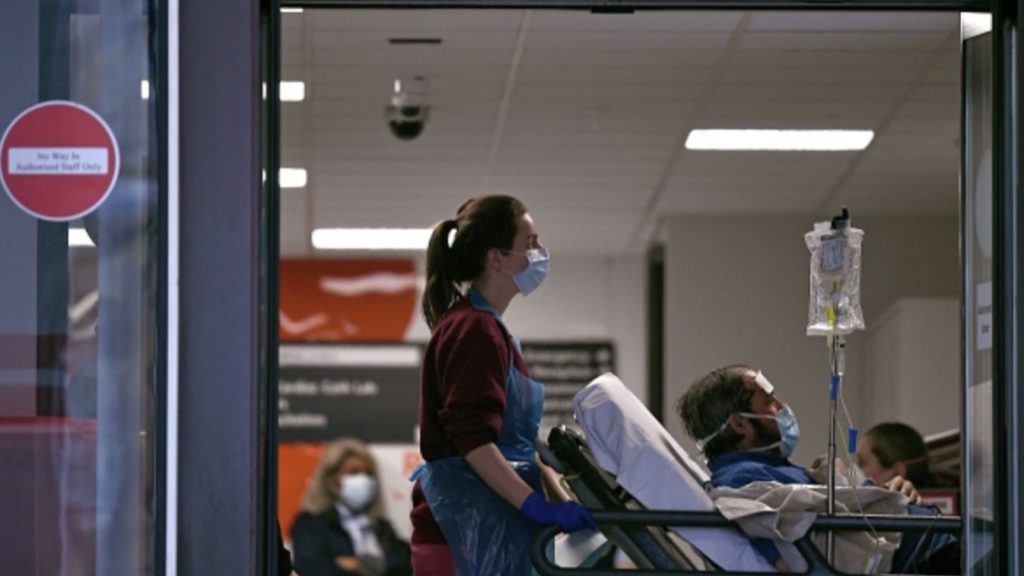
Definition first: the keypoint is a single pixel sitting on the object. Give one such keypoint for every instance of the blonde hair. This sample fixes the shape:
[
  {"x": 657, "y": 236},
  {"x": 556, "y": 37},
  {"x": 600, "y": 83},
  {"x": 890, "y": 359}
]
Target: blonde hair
[{"x": 322, "y": 491}]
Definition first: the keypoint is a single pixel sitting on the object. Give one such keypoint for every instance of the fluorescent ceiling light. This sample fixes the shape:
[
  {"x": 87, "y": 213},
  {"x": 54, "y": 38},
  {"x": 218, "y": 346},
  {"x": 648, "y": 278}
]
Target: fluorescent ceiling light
[
  {"x": 293, "y": 91},
  {"x": 292, "y": 178},
  {"x": 799, "y": 140},
  {"x": 371, "y": 238},
  {"x": 144, "y": 88},
  {"x": 291, "y": 10},
  {"x": 79, "y": 237}
]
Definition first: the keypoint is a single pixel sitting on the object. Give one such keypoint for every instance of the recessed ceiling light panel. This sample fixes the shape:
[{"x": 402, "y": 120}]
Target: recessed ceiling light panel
[
  {"x": 780, "y": 140},
  {"x": 371, "y": 238}
]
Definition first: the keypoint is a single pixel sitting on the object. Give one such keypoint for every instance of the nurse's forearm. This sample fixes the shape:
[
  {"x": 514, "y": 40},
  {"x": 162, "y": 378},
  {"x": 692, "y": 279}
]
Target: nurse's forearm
[{"x": 496, "y": 472}]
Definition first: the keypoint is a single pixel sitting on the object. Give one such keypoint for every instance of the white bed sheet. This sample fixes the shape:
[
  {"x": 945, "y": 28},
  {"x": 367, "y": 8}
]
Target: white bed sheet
[{"x": 629, "y": 443}]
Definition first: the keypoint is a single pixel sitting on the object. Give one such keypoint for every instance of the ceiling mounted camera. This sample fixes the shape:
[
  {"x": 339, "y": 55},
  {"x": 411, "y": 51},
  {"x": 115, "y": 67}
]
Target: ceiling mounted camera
[{"x": 408, "y": 112}]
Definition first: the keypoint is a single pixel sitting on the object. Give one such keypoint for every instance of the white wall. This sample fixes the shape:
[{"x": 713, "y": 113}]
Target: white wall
[
  {"x": 737, "y": 289},
  {"x": 912, "y": 365}
]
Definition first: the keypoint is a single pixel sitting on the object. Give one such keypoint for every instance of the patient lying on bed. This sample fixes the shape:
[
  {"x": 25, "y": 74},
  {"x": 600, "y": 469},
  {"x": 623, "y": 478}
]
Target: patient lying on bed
[{"x": 747, "y": 435}]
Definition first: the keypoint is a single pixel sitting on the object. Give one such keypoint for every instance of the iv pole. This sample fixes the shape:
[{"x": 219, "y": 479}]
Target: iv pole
[{"x": 837, "y": 366}]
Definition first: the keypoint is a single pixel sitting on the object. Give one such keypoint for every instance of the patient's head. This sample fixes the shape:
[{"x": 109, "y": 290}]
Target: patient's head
[{"x": 728, "y": 409}]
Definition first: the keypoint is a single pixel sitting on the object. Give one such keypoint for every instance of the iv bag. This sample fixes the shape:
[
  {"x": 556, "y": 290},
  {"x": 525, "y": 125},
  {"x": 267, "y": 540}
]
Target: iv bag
[{"x": 834, "y": 306}]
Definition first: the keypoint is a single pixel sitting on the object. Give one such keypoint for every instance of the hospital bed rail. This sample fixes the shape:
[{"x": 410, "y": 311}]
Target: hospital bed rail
[
  {"x": 816, "y": 563},
  {"x": 630, "y": 526}
]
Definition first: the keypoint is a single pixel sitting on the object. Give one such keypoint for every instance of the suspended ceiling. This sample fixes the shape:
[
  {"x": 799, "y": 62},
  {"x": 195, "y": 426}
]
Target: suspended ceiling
[{"x": 584, "y": 117}]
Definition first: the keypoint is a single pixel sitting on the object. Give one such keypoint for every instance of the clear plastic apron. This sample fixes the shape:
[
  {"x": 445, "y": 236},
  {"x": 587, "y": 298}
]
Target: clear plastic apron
[{"x": 487, "y": 535}]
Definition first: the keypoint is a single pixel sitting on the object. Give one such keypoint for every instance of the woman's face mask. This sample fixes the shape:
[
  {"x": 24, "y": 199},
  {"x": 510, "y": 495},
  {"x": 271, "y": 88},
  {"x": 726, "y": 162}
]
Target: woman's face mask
[
  {"x": 535, "y": 272},
  {"x": 858, "y": 478},
  {"x": 869, "y": 465},
  {"x": 357, "y": 491}
]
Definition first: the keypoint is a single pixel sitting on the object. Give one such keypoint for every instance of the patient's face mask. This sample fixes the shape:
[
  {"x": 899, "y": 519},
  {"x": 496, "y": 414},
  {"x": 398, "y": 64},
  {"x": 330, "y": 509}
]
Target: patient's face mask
[{"x": 789, "y": 432}]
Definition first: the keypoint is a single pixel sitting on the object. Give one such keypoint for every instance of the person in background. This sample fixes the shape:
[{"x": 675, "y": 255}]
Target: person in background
[
  {"x": 340, "y": 529},
  {"x": 894, "y": 449},
  {"x": 478, "y": 495}
]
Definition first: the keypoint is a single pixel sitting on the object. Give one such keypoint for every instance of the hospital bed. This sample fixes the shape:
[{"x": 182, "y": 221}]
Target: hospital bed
[{"x": 638, "y": 482}]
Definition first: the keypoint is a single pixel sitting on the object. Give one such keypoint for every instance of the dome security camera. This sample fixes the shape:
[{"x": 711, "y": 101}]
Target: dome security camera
[{"x": 408, "y": 112}]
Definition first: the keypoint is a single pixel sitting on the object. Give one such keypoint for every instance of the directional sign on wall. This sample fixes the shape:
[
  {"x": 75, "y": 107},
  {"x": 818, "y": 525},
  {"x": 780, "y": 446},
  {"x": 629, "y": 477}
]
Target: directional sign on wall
[
  {"x": 565, "y": 368},
  {"x": 58, "y": 160},
  {"x": 370, "y": 392}
]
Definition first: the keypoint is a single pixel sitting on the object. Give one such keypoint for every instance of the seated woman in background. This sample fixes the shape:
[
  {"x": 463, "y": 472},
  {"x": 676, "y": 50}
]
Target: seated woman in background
[{"x": 340, "y": 529}]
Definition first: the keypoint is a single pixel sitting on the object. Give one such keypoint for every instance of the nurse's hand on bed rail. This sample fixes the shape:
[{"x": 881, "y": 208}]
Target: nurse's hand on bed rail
[{"x": 569, "y": 516}]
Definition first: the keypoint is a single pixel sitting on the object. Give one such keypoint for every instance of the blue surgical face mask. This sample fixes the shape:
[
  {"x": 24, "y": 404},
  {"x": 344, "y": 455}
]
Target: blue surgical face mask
[
  {"x": 531, "y": 277},
  {"x": 789, "y": 432}
]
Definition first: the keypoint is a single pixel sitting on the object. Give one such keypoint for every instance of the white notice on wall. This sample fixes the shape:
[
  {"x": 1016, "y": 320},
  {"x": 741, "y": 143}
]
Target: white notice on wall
[
  {"x": 983, "y": 316},
  {"x": 57, "y": 161}
]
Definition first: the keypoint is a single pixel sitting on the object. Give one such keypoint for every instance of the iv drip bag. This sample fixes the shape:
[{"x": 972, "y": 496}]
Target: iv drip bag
[{"x": 834, "y": 304}]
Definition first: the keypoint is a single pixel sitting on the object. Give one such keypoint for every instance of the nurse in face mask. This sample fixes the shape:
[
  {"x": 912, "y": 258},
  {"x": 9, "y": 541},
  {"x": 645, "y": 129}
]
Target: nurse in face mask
[
  {"x": 340, "y": 529},
  {"x": 478, "y": 497}
]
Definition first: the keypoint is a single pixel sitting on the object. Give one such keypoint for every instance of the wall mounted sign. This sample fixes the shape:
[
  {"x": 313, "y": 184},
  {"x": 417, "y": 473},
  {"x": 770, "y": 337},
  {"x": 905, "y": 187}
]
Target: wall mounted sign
[
  {"x": 58, "y": 160},
  {"x": 565, "y": 368},
  {"x": 369, "y": 391}
]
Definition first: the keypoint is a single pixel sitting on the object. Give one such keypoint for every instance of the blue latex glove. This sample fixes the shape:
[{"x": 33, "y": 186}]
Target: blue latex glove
[{"x": 569, "y": 516}]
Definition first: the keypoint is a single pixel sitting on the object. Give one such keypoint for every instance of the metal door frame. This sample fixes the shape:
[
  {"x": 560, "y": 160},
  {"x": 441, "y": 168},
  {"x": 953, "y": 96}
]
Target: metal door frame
[{"x": 229, "y": 251}]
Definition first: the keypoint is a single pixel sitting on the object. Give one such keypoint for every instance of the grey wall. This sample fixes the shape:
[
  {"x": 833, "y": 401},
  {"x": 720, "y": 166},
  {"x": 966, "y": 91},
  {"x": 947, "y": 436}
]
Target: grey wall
[
  {"x": 222, "y": 435},
  {"x": 737, "y": 289}
]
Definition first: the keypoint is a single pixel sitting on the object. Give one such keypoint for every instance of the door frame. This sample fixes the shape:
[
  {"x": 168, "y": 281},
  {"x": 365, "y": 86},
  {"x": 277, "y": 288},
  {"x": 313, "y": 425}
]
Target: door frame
[{"x": 229, "y": 253}]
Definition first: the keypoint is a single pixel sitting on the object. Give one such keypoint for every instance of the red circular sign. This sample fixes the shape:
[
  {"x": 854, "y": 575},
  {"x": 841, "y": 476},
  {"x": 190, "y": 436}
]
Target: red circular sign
[{"x": 58, "y": 160}]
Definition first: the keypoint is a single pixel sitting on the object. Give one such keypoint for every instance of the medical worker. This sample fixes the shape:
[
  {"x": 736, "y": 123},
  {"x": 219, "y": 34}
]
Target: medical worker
[
  {"x": 478, "y": 496},
  {"x": 892, "y": 449}
]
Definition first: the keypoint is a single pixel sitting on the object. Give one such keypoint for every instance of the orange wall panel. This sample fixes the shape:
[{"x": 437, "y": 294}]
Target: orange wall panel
[{"x": 371, "y": 300}]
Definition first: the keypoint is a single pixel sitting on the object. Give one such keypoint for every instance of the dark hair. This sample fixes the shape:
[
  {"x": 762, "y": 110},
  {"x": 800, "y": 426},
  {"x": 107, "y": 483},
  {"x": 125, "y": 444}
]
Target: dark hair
[
  {"x": 709, "y": 402},
  {"x": 480, "y": 224},
  {"x": 893, "y": 442}
]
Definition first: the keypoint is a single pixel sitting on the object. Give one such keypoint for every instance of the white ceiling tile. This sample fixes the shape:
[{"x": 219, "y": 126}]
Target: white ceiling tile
[
  {"x": 844, "y": 41},
  {"x": 417, "y": 22},
  {"x": 598, "y": 105},
  {"x": 640, "y": 22},
  {"x": 854, "y": 21}
]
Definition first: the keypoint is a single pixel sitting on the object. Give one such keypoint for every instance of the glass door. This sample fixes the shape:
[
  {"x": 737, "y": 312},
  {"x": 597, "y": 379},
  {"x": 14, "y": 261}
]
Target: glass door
[
  {"x": 80, "y": 309},
  {"x": 980, "y": 419}
]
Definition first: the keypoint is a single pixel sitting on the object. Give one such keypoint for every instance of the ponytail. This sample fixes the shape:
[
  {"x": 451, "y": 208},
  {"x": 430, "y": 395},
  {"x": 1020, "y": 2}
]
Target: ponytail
[{"x": 440, "y": 291}]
